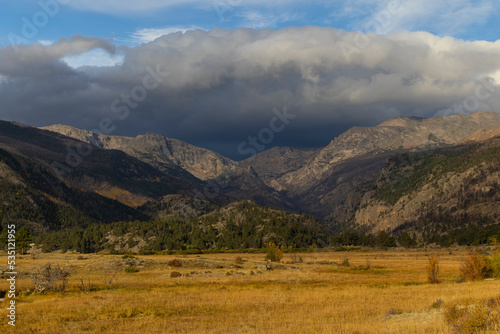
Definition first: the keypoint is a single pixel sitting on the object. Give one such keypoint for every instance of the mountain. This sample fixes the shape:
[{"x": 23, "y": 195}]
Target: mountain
[
  {"x": 435, "y": 192},
  {"x": 272, "y": 164},
  {"x": 426, "y": 176},
  {"x": 327, "y": 182},
  {"x": 330, "y": 182},
  {"x": 174, "y": 157},
  {"x": 160, "y": 152},
  {"x": 397, "y": 134},
  {"x": 49, "y": 181}
]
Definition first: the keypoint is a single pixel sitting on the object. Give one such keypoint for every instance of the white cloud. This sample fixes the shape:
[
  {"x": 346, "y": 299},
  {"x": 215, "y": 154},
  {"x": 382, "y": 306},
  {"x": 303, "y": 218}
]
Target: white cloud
[
  {"x": 150, "y": 34},
  {"x": 46, "y": 42}
]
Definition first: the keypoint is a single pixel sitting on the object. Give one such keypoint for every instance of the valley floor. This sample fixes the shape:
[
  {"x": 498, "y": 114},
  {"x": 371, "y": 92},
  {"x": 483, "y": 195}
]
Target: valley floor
[{"x": 225, "y": 293}]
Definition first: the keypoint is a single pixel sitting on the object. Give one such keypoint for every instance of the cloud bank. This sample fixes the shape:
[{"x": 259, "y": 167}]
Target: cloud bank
[{"x": 222, "y": 85}]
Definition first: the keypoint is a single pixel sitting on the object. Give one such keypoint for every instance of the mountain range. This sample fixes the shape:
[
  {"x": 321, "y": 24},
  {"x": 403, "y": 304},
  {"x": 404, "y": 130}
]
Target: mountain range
[{"x": 406, "y": 174}]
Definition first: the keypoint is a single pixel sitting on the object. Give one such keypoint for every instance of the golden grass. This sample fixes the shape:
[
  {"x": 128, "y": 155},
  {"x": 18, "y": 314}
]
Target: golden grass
[{"x": 319, "y": 297}]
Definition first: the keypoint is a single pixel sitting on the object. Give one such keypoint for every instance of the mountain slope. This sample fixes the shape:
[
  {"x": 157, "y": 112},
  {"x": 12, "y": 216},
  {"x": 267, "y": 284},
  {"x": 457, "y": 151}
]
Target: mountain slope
[
  {"x": 241, "y": 224},
  {"x": 270, "y": 165},
  {"x": 158, "y": 151},
  {"x": 481, "y": 135},
  {"x": 400, "y": 133},
  {"x": 46, "y": 166},
  {"x": 358, "y": 155},
  {"x": 436, "y": 192},
  {"x": 232, "y": 180},
  {"x": 324, "y": 182},
  {"x": 31, "y": 194}
]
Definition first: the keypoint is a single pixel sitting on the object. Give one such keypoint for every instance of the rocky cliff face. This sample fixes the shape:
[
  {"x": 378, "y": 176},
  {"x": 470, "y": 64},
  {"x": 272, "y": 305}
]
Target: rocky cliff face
[
  {"x": 155, "y": 150},
  {"x": 435, "y": 192}
]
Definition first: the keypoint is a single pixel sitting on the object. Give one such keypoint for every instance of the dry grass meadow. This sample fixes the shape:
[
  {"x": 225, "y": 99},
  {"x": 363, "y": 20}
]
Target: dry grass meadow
[{"x": 225, "y": 293}]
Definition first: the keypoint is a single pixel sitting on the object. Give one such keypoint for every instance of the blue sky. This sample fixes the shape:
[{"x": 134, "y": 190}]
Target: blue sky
[
  {"x": 130, "y": 22},
  {"x": 74, "y": 59}
]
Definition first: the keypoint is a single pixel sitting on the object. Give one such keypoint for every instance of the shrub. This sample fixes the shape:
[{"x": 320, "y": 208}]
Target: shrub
[
  {"x": 392, "y": 312},
  {"x": 128, "y": 256},
  {"x": 438, "y": 303},
  {"x": 294, "y": 257},
  {"x": 131, "y": 270},
  {"x": 147, "y": 252},
  {"x": 47, "y": 277},
  {"x": 495, "y": 264},
  {"x": 474, "y": 318},
  {"x": 175, "y": 274},
  {"x": 273, "y": 252},
  {"x": 345, "y": 262},
  {"x": 174, "y": 263},
  {"x": 474, "y": 267},
  {"x": 495, "y": 260},
  {"x": 433, "y": 270}
]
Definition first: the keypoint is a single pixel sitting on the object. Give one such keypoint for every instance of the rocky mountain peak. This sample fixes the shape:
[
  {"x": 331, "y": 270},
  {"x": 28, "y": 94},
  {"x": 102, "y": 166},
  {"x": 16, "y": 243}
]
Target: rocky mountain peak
[{"x": 156, "y": 150}]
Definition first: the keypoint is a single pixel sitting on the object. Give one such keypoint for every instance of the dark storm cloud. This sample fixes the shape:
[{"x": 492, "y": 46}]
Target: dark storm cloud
[{"x": 222, "y": 85}]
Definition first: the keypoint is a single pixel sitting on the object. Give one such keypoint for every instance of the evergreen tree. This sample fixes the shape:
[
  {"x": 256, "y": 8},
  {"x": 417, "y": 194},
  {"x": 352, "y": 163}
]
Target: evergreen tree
[
  {"x": 385, "y": 240},
  {"x": 405, "y": 240},
  {"x": 23, "y": 239}
]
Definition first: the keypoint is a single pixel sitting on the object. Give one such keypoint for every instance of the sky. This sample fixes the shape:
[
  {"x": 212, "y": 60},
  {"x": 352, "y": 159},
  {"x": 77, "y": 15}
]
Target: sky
[{"x": 241, "y": 76}]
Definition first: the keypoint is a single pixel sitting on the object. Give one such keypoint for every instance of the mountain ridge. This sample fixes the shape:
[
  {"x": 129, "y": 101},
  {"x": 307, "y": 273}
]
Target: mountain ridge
[
  {"x": 343, "y": 183},
  {"x": 155, "y": 150}
]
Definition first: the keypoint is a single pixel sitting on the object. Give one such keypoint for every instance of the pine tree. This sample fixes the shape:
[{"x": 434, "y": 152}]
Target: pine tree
[{"x": 23, "y": 239}]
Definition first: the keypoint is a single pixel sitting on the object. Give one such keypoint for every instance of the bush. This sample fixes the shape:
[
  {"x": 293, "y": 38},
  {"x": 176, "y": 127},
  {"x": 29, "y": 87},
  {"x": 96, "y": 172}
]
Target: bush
[
  {"x": 147, "y": 252},
  {"x": 474, "y": 267},
  {"x": 495, "y": 260},
  {"x": 273, "y": 252},
  {"x": 474, "y": 318},
  {"x": 47, "y": 277},
  {"x": 433, "y": 270},
  {"x": 174, "y": 263},
  {"x": 175, "y": 274},
  {"x": 131, "y": 270},
  {"x": 128, "y": 256},
  {"x": 437, "y": 304},
  {"x": 345, "y": 263},
  {"x": 495, "y": 264}
]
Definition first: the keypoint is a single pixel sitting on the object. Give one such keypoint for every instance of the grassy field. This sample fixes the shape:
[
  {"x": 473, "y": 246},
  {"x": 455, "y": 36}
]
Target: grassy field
[{"x": 225, "y": 293}]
